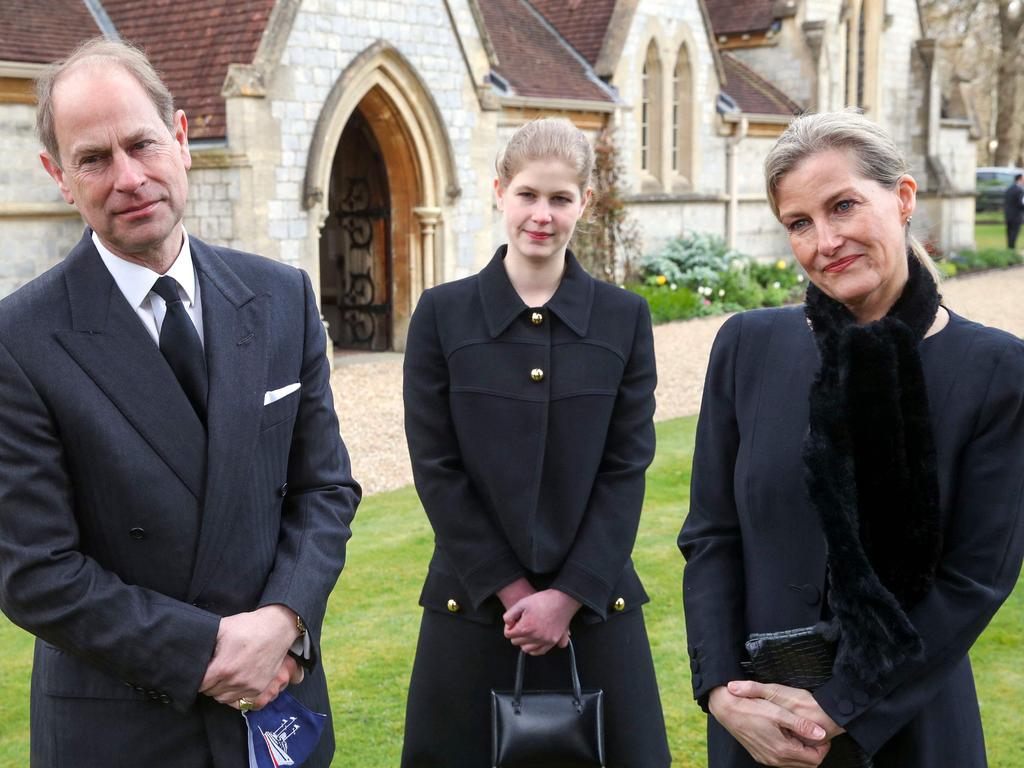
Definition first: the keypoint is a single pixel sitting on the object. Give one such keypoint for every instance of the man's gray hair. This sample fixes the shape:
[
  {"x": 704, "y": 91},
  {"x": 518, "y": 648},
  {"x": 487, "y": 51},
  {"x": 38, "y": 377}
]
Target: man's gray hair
[{"x": 99, "y": 50}]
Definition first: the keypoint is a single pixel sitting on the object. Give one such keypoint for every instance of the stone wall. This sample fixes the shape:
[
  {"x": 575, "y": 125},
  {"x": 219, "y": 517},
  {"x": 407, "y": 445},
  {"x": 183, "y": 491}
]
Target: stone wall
[{"x": 37, "y": 228}]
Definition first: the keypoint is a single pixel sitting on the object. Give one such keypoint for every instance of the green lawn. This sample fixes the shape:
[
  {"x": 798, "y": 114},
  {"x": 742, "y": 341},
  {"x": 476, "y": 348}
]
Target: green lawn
[
  {"x": 990, "y": 232},
  {"x": 370, "y": 635}
]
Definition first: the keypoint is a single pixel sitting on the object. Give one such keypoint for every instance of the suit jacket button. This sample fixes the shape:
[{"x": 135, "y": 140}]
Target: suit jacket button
[
  {"x": 845, "y": 707},
  {"x": 619, "y": 604},
  {"x": 537, "y": 374},
  {"x": 454, "y": 606},
  {"x": 536, "y": 318},
  {"x": 165, "y": 699},
  {"x": 283, "y": 490},
  {"x": 137, "y": 533}
]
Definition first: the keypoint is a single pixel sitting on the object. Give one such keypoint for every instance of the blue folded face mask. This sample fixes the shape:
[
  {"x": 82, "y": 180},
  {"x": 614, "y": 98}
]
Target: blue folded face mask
[{"x": 282, "y": 733}]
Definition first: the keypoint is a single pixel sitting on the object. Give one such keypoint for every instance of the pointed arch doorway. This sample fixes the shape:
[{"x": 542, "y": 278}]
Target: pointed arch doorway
[
  {"x": 379, "y": 181},
  {"x": 356, "y": 253}
]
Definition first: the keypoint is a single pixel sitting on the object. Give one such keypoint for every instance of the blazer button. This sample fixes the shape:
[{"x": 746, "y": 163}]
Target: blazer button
[
  {"x": 453, "y": 606},
  {"x": 537, "y": 374},
  {"x": 165, "y": 699},
  {"x": 137, "y": 533},
  {"x": 283, "y": 490},
  {"x": 845, "y": 707},
  {"x": 536, "y": 318},
  {"x": 619, "y": 604}
]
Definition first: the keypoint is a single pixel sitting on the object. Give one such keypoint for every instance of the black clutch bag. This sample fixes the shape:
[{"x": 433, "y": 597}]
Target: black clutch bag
[
  {"x": 547, "y": 729},
  {"x": 803, "y": 658}
]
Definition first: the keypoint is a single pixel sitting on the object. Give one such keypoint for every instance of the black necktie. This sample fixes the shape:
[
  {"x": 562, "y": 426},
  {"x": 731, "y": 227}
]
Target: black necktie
[{"x": 179, "y": 343}]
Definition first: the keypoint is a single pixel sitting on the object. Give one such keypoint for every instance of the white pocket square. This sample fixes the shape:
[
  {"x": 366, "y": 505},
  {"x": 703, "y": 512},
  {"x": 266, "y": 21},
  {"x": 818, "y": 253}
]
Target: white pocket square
[{"x": 277, "y": 394}]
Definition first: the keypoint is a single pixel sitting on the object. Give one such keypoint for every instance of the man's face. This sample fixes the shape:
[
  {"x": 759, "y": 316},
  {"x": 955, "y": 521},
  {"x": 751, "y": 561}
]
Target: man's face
[{"x": 119, "y": 164}]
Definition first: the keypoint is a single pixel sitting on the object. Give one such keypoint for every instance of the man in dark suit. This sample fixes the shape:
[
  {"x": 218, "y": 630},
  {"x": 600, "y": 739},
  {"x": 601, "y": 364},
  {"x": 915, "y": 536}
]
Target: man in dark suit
[
  {"x": 1013, "y": 210},
  {"x": 175, "y": 497}
]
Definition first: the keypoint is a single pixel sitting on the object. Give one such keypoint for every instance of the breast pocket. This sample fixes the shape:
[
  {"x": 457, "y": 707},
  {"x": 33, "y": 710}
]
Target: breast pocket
[
  {"x": 280, "y": 411},
  {"x": 585, "y": 368}
]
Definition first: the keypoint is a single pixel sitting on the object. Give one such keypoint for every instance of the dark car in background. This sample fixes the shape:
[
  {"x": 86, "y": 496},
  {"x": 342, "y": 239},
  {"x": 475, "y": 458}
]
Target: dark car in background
[{"x": 991, "y": 185}]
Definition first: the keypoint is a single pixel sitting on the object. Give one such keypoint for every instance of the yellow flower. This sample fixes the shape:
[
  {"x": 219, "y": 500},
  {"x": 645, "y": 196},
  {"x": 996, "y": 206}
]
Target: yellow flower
[
  {"x": 780, "y": 264},
  {"x": 662, "y": 279}
]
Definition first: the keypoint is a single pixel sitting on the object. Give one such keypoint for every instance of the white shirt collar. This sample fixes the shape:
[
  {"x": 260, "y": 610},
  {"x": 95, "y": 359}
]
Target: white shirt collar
[{"x": 136, "y": 281}]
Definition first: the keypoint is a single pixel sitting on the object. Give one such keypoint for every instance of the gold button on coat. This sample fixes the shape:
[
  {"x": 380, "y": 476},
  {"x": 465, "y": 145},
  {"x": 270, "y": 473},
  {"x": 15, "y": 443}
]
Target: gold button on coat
[
  {"x": 453, "y": 606},
  {"x": 536, "y": 318},
  {"x": 619, "y": 604},
  {"x": 537, "y": 374}
]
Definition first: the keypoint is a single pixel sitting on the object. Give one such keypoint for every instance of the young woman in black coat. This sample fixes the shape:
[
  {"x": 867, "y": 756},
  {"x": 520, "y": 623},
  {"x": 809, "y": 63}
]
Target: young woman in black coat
[
  {"x": 529, "y": 398},
  {"x": 860, "y": 465}
]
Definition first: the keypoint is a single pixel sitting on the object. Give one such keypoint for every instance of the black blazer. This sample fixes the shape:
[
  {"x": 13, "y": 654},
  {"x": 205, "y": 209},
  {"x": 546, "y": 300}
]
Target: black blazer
[
  {"x": 530, "y": 430},
  {"x": 126, "y": 530},
  {"x": 1013, "y": 204},
  {"x": 756, "y": 553}
]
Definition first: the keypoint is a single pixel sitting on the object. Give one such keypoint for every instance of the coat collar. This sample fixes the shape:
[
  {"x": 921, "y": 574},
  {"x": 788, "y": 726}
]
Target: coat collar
[
  {"x": 112, "y": 346},
  {"x": 572, "y": 301}
]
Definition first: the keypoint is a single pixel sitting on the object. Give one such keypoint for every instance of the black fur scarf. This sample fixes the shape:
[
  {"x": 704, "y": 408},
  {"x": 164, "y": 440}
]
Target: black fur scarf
[{"x": 871, "y": 474}]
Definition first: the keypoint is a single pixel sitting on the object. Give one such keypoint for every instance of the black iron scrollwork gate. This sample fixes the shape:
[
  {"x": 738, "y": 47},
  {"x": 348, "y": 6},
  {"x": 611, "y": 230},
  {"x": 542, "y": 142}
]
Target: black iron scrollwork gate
[
  {"x": 362, "y": 310},
  {"x": 355, "y": 244}
]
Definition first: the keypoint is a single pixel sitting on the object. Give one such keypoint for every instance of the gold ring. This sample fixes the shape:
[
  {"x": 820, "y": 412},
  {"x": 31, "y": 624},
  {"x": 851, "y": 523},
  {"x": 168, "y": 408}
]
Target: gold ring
[{"x": 244, "y": 704}]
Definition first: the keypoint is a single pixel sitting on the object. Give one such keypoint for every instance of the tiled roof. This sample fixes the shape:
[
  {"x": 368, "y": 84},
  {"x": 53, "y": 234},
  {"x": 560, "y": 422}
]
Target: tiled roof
[
  {"x": 534, "y": 60},
  {"x": 729, "y": 17},
  {"x": 191, "y": 44},
  {"x": 583, "y": 23},
  {"x": 752, "y": 93},
  {"x": 39, "y": 33}
]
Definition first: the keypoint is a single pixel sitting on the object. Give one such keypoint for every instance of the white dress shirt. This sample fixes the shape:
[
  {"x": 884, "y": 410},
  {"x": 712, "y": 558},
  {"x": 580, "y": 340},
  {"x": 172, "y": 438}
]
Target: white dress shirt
[{"x": 136, "y": 284}]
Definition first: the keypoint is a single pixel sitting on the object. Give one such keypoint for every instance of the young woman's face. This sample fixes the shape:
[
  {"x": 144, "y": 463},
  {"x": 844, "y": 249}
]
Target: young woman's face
[
  {"x": 540, "y": 207},
  {"x": 848, "y": 232}
]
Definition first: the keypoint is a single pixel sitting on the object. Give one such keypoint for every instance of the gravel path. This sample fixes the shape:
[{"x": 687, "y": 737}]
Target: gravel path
[{"x": 368, "y": 388}]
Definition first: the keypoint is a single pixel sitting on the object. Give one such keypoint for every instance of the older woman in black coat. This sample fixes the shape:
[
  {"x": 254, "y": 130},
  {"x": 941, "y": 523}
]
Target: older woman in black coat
[
  {"x": 860, "y": 467},
  {"x": 529, "y": 397}
]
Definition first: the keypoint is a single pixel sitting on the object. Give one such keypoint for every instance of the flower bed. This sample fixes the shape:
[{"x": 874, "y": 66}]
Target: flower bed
[{"x": 696, "y": 275}]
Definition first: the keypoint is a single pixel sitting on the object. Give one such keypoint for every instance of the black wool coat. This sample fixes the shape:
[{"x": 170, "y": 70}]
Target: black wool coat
[
  {"x": 755, "y": 550},
  {"x": 530, "y": 430}
]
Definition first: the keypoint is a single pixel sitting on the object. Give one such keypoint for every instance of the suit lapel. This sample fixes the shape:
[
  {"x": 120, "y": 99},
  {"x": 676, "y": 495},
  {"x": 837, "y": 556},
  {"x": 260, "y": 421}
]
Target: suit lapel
[
  {"x": 235, "y": 333},
  {"x": 109, "y": 342}
]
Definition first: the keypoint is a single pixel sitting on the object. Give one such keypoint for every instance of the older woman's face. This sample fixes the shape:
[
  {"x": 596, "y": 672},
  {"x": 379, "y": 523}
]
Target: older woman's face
[{"x": 847, "y": 232}]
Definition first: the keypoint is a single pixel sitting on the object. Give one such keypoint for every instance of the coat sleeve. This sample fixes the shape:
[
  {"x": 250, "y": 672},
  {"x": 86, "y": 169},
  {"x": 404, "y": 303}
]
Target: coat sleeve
[
  {"x": 322, "y": 496},
  {"x": 984, "y": 545},
  {"x": 51, "y": 589},
  {"x": 476, "y": 548},
  {"x": 710, "y": 539},
  {"x": 606, "y": 536}
]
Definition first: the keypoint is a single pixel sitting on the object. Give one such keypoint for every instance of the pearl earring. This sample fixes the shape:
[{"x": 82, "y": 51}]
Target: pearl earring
[{"x": 909, "y": 219}]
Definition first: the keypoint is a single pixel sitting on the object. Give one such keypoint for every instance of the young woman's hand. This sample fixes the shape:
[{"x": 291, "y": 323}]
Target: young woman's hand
[
  {"x": 539, "y": 622},
  {"x": 514, "y": 592}
]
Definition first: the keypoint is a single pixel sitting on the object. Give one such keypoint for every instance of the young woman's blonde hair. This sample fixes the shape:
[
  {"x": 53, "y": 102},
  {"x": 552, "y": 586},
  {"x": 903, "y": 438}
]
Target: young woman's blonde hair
[
  {"x": 549, "y": 138},
  {"x": 871, "y": 148}
]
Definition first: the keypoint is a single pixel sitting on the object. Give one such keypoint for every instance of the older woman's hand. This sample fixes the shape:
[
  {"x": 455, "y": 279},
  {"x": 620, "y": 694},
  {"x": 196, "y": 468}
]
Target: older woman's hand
[
  {"x": 770, "y": 733},
  {"x": 796, "y": 700},
  {"x": 539, "y": 622}
]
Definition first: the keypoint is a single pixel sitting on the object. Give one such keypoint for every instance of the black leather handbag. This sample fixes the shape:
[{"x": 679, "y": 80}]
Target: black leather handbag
[
  {"x": 547, "y": 729},
  {"x": 802, "y": 658}
]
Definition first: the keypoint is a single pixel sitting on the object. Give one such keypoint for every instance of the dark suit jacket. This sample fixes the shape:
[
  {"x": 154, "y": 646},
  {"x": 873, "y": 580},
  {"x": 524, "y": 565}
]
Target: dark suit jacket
[
  {"x": 1013, "y": 204},
  {"x": 557, "y": 496},
  {"x": 756, "y": 553},
  {"x": 127, "y": 530}
]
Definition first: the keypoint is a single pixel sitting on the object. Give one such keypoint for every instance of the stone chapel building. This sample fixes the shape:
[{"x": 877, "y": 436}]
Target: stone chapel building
[{"x": 356, "y": 138}]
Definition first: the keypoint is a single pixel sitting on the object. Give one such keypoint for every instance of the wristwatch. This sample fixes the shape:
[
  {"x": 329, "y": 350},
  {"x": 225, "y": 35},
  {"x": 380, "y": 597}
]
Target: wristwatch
[{"x": 300, "y": 625}]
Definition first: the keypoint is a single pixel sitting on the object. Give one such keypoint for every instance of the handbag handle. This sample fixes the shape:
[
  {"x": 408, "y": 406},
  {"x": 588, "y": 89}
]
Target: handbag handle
[{"x": 577, "y": 693}]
